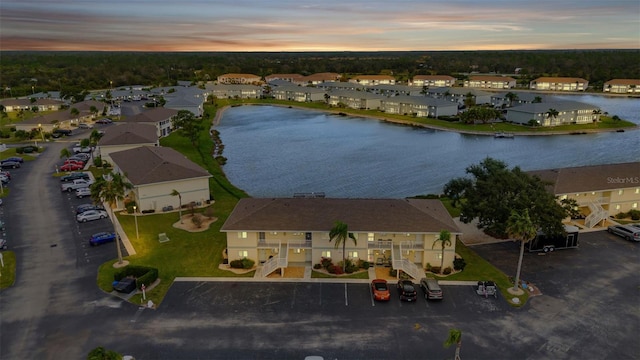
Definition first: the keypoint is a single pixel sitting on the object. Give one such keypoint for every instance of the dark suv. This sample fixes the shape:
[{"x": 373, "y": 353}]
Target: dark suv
[
  {"x": 74, "y": 176},
  {"x": 407, "y": 290},
  {"x": 61, "y": 132}
]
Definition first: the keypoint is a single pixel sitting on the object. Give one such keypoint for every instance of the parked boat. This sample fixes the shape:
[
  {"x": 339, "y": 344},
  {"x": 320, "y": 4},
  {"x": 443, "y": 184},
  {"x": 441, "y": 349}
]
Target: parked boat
[{"x": 503, "y": 135}]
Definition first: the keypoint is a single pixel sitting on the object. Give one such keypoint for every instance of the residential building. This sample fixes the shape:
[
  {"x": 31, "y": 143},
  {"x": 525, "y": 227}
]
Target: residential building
[
  {"x": 622, "y": 86},
  {"x": 298, "y": 93},
  {"x": 394, "y": 90},
  {"x": 41, "y": 104},
  {"x": 433, "y": 81},
  {"x": 84, "y": 111},
  {"x": 126, "y": 136},
  {"x": 490, "y": 82},
  {"x": 568, "y": 112},
  {"x": 278, "y": 231},
  {"x": 559, "y": 84},
  {"x": 501, "y": 100},
  {"x": 337, "y": 85},
  {"x": 370, "y": 80},
  {"x": 239, "y": 79},
  {"x": 235, "y": 91},
  {"x": 420, "y": 106},
  {"x": 600, "y": 190},
  {"x": 459, "y": 95},
  {"x": 286, "y": 77},
  {"x": 160, "y": 117},
  {"x": 315, "y": 79},
  {"x": 355, "y": 99},
  {"x": 155, "y": 171}
]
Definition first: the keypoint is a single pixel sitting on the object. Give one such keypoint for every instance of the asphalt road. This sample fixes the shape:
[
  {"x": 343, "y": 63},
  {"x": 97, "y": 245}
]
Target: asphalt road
[{"x": 589, "y": 308}]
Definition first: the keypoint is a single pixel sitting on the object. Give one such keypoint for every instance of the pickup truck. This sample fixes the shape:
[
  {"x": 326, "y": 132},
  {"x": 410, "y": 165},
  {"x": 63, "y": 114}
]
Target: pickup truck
[{"x": 75, "y": 185}]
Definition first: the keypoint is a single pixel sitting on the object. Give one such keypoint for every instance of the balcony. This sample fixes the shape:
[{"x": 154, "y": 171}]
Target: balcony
[{"x": 380, "y": 244}]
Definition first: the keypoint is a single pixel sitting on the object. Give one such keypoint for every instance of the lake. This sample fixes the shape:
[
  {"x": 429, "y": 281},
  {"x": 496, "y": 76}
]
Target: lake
[{"x": 277, "y": 151}]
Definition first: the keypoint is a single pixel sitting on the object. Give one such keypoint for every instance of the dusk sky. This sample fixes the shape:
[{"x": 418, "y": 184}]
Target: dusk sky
[{"x": 282, "y": 25}]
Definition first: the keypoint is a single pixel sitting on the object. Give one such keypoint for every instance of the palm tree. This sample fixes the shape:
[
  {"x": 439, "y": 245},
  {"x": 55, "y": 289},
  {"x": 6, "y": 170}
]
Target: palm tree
[
  {"x": 520, "y": 226},
  {"x": 65, "y": 153},
  {"x": 552, "y": 114},
  {"x": 455, "y": 337},
  {"x": 445, "y": 240},
  {"x": 511, "y": 97},
  {"x": 537, "y": 100},
  {"x": 175, "y": 192},
  {"x": 340, "y": 233},
  {"x": 110, "y": 191}
]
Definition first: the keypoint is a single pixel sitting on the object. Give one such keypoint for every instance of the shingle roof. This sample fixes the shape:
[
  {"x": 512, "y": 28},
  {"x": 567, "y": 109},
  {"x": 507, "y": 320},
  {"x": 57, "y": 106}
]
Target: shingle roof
[
  {"x": 320, "y": 214},
  {"x": 623, "y": 82},
  {"x": 561, "y": 80},
  {"x": 153, "y": 115},
  {"x": 538, "y": 108},
  {"x": 373, "y": 77},
  {"x": 433, "y": 77},
  {"x": 131, "y": 133},
  {"x": 592, "y": 178},
  {"x": 491, "y": 78},
  {"x": 147, "y": 165}
]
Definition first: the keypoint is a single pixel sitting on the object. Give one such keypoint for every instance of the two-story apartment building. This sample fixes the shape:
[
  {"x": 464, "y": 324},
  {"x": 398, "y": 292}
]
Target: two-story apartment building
[
  {"x": 298, "y": 93},
  {"x": 40, "y": 104},
  {"x": 235, "y": 91},
  {"x": 239, "y": 79},
  {"x": 559, "y": 84},
  {"x": 160, "y": 117},
  {"x": 370, "y": 80},
  {"x": 554, "y": 113},
  {"x": 433, "y": 81},
  {"x": 622, "y": 86},
  {"x": 126, "y": 136},
  {"x": 279, "y": 231},
  {"x": 355, "y": 99},
  {"x": 490, "y": 82},
  {"x": 420, "y": 106},
  {"x": 600, "y": 190}
]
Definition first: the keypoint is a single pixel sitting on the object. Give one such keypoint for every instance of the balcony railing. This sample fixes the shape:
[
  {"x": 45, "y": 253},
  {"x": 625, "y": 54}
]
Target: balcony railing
[{"x": 380, "y": 244}]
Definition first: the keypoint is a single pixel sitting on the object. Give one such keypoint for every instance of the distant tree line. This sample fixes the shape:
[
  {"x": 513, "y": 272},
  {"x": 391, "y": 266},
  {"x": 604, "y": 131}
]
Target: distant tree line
[{"x": 22, "y": 73}]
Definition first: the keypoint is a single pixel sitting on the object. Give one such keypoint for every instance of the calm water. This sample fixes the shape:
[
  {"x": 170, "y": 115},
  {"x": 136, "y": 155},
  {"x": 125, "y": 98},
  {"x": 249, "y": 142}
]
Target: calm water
[{"x": 276, "y": 152}]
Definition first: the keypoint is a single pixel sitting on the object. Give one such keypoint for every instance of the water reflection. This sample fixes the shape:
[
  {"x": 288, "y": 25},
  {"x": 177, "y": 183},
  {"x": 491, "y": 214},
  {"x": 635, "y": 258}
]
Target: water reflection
[{"x": 275, "y": 152}]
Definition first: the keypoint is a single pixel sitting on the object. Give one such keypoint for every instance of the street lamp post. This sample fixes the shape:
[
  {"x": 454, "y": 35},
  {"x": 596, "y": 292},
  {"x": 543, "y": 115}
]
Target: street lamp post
[
  {"x": 135, "y": 214},
  {"x": 41, "y": 133}
]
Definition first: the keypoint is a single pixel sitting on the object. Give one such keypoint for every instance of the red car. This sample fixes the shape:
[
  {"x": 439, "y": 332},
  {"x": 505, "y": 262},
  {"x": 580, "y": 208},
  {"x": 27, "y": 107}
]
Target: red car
[
  {"x": 380, "y": 290},
  {"x": 71, "y": 167},
  {"x": 76, "y": 162}
]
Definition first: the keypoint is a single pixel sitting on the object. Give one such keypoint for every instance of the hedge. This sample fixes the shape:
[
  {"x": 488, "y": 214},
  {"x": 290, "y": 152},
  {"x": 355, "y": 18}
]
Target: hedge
[{"x": 143, "y": 274}]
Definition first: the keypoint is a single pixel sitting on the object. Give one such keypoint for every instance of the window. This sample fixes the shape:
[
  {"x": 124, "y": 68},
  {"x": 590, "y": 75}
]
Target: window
[
  {"x": 371, "y": 236},
  {"x": 563, "y": 197},
  {"x": 353, "y": 254},
  {"x": 440, "y": 256},
  {"x": 243, "y": 253},
  {"x": 620, "y": 192},
  {"x": 274, "y": 233},
  {"x": 297, "y": 251},
  {"x": 242, "y": 235},
  {"x": 635, "y": 205},
  {"x": 326, "y": 254},
  {"x": 617, "y": 207},
  {"x": 637, "y": 190}
]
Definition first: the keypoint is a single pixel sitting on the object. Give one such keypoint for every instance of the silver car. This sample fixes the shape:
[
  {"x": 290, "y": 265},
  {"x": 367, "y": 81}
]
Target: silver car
[
  {"x": 625, "y": 231},
  {"x": 82, "y": 192},
  {"x": 91, "y": 215}
]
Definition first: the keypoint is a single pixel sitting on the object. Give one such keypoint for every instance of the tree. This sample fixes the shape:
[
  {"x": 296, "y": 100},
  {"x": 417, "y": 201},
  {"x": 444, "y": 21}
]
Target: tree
[
  {"x": 74, "y": 112},
  {"x": 520, "y": 226},
  {"x": 65, "y": 153},
  {"x": 552, "y": 114},
  {"x": 495, "y": 190},
  {"x": 175, "y": 192},
  {"x": 100, "y": 353},
  {"x": 110, "y": 191},
  {"x": 537, "y": 100},
  {"x": 188, "y": 125},
  {"x": 511, "y": 97},
  {"x": 455, "y": 189},
  {"x": 94, "y": 137},
  {"x": 445, "y": 240},
  {"x": 340, "y": 233},
  {"x": 455, "y": 337}
]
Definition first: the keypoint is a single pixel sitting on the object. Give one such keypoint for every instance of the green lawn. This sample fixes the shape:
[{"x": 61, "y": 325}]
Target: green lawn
[{"x": 8, "y": 271}]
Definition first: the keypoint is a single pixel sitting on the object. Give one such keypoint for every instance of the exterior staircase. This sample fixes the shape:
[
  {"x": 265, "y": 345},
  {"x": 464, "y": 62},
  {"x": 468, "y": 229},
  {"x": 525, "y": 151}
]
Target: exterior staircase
[
  {"x": 598, "y": 213},
  {"x": 405, "y": 265},
  {"x": 276, "y": 262}
]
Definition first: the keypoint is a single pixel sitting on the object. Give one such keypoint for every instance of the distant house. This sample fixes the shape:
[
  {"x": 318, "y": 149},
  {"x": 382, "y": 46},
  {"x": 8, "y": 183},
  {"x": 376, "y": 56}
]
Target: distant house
[
  {"x": 622, "y": 86},
  {"x": 188, "y": 98},
  {"x": 156, "y": 171},
  {"x": 420, "y": 106},
  {"x": 235, "y": 91},
  {"x": 68, "y": 118},
  {"x": 433, "y": 81},
  {"x": 298, "y": 93},
  {"x": 401, "y": 233},
  {"x": 502, "y": 100},
  {"x": 371, "y": 80},
  {"x": 126, "y": 136},
  {"x": 338, "y": 85},
  {"x": 355, "y": 99},
  {"x": 160, "y": 117},
  {"x": 600, "y": 190},
  {"x": 459, "y": 95},
  {"x": 315, "y": 79},
  {"x": 569, "y": 112},
  {"x": 13, "y": 105},
  {"x": 490, "y": 82},
  {"x": 286, "y": 77},
  {"x": 239, "y": 79},
  {"x": 559, "y": 84},
  {"x": 393, "y": 90}
]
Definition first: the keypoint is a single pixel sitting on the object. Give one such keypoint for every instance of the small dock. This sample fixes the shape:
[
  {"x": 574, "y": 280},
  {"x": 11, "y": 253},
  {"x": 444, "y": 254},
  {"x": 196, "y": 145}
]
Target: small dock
[{"x": 503, "y": 135}]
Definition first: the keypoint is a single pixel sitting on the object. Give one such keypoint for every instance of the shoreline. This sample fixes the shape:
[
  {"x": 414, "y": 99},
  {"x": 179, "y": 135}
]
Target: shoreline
[{"x": 220, "y": 113}]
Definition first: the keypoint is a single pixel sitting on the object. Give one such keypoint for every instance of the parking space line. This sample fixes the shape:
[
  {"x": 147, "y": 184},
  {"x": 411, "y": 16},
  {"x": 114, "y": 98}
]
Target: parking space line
[
  {"x": 346, "y": 296},
  {"x": 293, "y": 298},
  {"x": 373, "y": 302}
]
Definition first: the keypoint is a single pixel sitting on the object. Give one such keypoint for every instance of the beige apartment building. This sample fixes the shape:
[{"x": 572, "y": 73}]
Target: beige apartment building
[
  {"x": 433, "y": 81},
  {"x": 490, "y": 82},
  {"x": 559, "y": 84},
  {"x": 280, "y": 232},
  {"x": 622, "y": 86},
  {"x": 600, "y": 190}
]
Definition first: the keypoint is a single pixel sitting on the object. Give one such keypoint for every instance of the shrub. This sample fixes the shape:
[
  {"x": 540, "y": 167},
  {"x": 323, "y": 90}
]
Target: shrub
[
  {"x": 331, "y": 269},
  {"x": 634, "y": 214},
  {"x": 326, "y": 262},
  {"x": 393, "y": 272},
  {"x": 197, "y": 220},
  {"x": 363, "y": 264},
  {"x": 447, "y": 270},
  {"x": 435, "y": 269},
  {"x": 247, "y": 263},
  {"x": 236, "y": 264},
  {"x": 459, "y": 264},
  {"x": 143, "y": 274},
  {"x": 428, "y": 267},
  {"x": 338, "y": 270},
  {"x": 621, "y": 215},
  {"x": 97, "y": 161},
  {"x": 208, "y": 212},
  {"x": 317, "y": 266}
]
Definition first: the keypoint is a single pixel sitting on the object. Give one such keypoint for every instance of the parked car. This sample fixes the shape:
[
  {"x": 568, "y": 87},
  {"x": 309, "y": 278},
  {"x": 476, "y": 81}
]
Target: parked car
[
  {"x": 431, "y": 289},
  {"x": 628, "y": 232},
  {"x": 91, "y": 215},
  {"x": 407, "y": 290},
  {"x": 81, "y": 156},
  {"x": 75, "y": 185},
  {"x": 86, "y": 207},
  {"x": 82, "y": 149},
  {"x": 9, "y": 165},
  {"x": 126, "y": 285},
  {"x": 74, "y": 161},
  {"x": 13, "y": 158},
  {"x": 636, "y": 225},
  {"x": 66, "y": 132},
  {"x": 82, "y": 192},
  {"x": 74, "y": 176},
  {"x": 6, "y": 173},
  {"x": 85, "y": 126},
  {"x": 101, "y": 238},
  {"x": 104, "y": 121},
  {"x": 380, "y": 290},
  {"x": 3, "y": 244},
  {"x": 4, "y": 179},
  {"x": 71, "y": 167}
]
